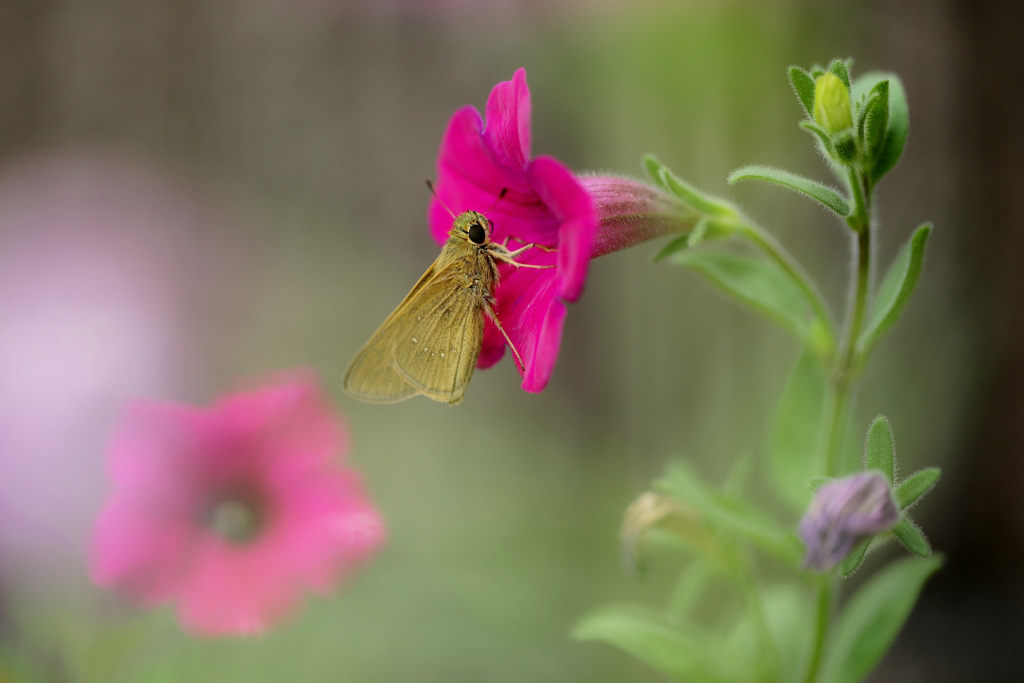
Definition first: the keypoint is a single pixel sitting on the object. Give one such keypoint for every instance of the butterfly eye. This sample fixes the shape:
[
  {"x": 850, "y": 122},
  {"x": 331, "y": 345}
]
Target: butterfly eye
[{"x": 477, "y": 234}]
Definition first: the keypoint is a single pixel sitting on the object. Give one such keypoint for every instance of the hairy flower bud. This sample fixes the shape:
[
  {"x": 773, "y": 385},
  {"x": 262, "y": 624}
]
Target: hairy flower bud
[
  {"x": 630, "y": 211},
  {"x": 843, "y": 513},
  {"x": 832, "y": 104}
]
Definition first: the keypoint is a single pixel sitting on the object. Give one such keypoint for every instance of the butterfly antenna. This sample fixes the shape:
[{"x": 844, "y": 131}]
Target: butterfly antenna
[
  {"x": 501, "y": 195},
  {"x": 430, "y": 186}
]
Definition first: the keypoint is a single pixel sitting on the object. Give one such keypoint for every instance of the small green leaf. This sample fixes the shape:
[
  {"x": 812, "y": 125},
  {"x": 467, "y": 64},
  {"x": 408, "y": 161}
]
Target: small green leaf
[
  {"x": 879, "y": 452},
  {"x": 755, "y": 281},
  {"x": 853, "y": 561},
  {"x": 875, "y": 120},
  {"x": 825, "y": 196},
  {"x": 730, "y": 515},
  {"x": 815, "y": 483},
  {"x": 793, "y": 444},
  {"x": 839, "y": 68},
  {"x": 824, "y": 139},
  {"x": 916, "y": 485},
  {"x": 674, "y": 245},
  {"x": 873, "y": 617},
  {"x": 803, "y": 86},
  {"x": 696, "y": 235},
  {"x": 898, "y": 285},
  {"x": 703, "y": 203},
  {"x": 911, "y": 537},
  {"x": 655, "y": 169},
  {"x": 898, "y": 121},
  {"x": 647, "y": 636}
]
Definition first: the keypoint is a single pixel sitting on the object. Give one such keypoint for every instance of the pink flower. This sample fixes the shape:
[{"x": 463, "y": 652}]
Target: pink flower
[
  {"x": 229, "y": 511},
  {"x": 545, "y": 204}
]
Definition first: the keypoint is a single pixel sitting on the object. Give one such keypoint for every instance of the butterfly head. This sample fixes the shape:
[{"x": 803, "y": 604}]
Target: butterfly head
[{"x": 472, "y": 226}]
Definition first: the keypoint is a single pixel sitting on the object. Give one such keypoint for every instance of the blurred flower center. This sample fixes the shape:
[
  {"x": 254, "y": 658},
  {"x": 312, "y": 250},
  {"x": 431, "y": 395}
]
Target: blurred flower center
[{"x": 237, "y": 518}]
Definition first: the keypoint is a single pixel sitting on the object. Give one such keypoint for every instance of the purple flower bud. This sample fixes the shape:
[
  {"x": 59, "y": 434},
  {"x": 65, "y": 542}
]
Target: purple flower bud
[
  {"x": 843, "y": 513},
  {"x": 631, "y": 211}
]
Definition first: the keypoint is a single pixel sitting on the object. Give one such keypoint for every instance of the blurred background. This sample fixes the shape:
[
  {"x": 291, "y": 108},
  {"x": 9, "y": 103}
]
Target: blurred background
[{"x": 198, "y": 191}]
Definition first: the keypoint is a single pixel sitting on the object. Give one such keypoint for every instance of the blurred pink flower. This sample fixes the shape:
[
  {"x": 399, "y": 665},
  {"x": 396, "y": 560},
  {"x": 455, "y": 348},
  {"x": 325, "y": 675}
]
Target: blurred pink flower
[
  {"x": 229, "y": 511},
  {"x": 545, "y": 204}
]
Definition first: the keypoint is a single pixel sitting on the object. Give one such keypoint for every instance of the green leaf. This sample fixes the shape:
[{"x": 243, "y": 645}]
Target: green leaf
[
  {"x": 874, "y": 120},
  {"x": 839, "y": 68},
  {"x": 852, "y": 562},
  {"x": 873, "y": 617},
  {"x": 676, "y": 244},
  {"x": 825, "y": 196},
  {"x": 897, "y": 286},
  {"x": 755, "y": 281},
  {"x": 730, "y": 515},
  {"x": 707, "y": 229},
  {"x": 771, "y": 643},
  {"x": 786, "y": 609},
  {"x": 803, "y": 86},
  {"x": 646, "y": 635},
  {"x": 654, "y": 169},
  {"x": 879, "y": 452},
  {"x": 824, "y": 139},
  {"x": 688, "y": 589},
  {"x": 916, "y": 485},
  {"x": 793, "y": 444},
  {"x": 898, "y": 121},
  {"x": 911, "y": 537},
  {"x": 703, "y": 203}
]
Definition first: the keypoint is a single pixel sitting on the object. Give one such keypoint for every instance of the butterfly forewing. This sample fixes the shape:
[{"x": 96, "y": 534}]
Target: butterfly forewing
[
  {"x": 438, "y": 354},
  {"x": 371, "y": 375}
]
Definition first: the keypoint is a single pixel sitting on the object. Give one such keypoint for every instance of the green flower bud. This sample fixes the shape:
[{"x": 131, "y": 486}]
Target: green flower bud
[{"x": 832, "y": 103}]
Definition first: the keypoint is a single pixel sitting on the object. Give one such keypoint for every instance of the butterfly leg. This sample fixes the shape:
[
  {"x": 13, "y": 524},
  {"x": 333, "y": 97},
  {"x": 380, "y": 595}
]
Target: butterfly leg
[
  {"x": 503, "y": 254},
  {"x": 494, "y": 318}
]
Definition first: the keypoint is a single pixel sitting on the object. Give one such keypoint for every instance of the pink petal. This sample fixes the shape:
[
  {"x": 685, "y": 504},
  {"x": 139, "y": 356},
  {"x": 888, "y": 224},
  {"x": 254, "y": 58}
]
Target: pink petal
[
  {"x": 493, "y": 347},
  {"x": 545, "y": 353},
  {"x": 143, "y": 547},
  {"x": 469, "y": 176},
  {"x": 236, "y": 590},
  {"x": 531, "y": 313},
  {"x": 149, "y": 444},
  {"x": 326, "y": 527},
  {"x": 290, "y": 420},
  {"x": 507, "y": 134},
  {"x": 577, "y": 219}
]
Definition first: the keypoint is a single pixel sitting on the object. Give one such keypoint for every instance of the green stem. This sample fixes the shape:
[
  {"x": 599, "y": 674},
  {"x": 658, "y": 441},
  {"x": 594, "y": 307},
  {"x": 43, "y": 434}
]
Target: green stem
[
  {"x": 840, "y": 391},
  {"x": 822, "y": 621},
  {"x": 838, "y": 399},
  {"x": 860, "y": 222}
]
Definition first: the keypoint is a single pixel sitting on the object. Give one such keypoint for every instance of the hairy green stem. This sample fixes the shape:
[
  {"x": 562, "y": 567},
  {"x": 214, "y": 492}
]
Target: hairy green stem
[{"x": 840, "y": 389}]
